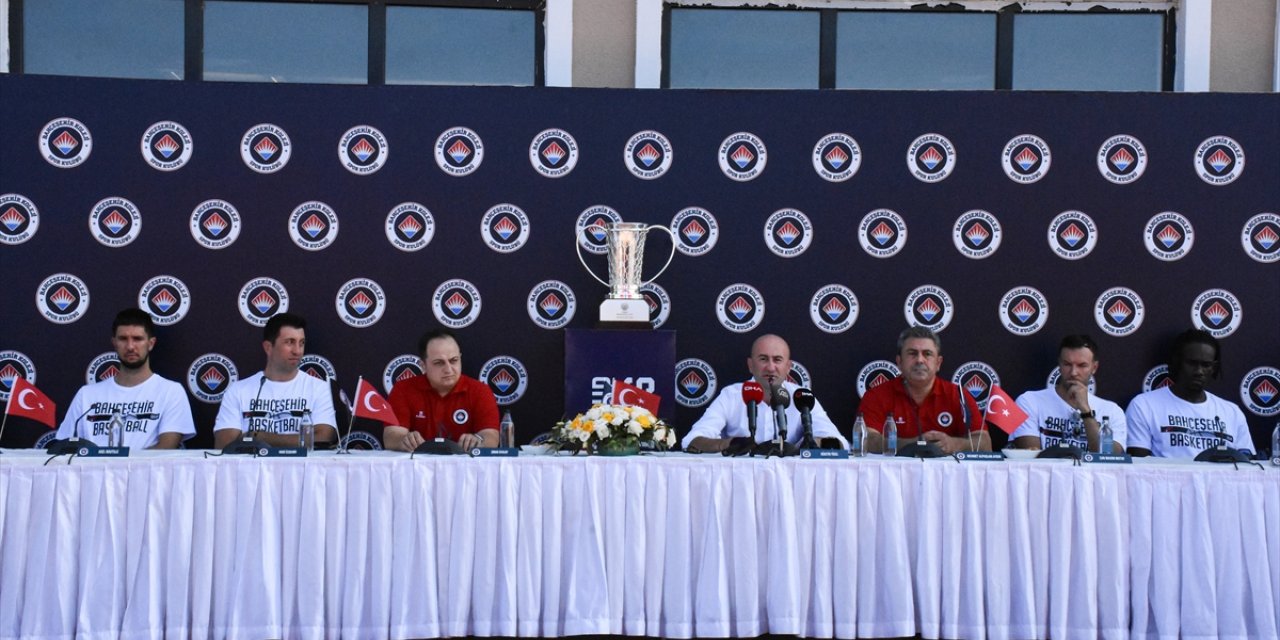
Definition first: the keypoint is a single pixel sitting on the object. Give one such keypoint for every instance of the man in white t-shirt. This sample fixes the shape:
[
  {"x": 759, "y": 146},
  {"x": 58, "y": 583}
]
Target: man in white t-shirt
[
  {"x": 1182, "y": 419},
  {"x": 153, "y": 412},
  {"x": 1049, "y": 409},
  {"x": 272, "y": 404}
]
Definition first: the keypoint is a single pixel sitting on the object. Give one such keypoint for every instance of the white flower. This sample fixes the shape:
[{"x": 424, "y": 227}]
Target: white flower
[
  {"x": 618, "y": 418},
  {"x": 602, "y": 430},
  {"x": 595, "y": 412},
  {"x": 671, "y": 438},
  {"x": 634, "y": 428}
]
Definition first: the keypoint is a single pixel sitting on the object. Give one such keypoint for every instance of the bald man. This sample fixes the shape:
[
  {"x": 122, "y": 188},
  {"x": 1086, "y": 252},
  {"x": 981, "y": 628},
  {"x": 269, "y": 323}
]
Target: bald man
[{"x": 726, "y": 418}]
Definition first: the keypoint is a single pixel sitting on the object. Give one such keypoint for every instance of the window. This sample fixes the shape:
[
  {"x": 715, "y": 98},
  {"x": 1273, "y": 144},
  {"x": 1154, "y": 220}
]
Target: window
[
  {"x": 286, "y": 42},
  {"x": 1090, "y": 52},
  {"x": 915, "y": 50},
  {"x": 744, "y": 49},
  {"x": 460, "y": 46},
  {"x": 116, "y": 38}
]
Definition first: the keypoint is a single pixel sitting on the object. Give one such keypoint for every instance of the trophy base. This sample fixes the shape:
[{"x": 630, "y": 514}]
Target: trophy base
[{"x": 619, "y": 313}]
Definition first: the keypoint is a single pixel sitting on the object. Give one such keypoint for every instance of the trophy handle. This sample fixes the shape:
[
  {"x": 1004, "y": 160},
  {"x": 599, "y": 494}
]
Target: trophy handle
[
  {"x": 577, "y": 242},
  {"x": 672, "y": 235}
]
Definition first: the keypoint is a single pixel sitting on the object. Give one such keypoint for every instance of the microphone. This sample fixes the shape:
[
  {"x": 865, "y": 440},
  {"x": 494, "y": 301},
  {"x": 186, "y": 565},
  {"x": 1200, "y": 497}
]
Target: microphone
[
  {"x": 752, "y": 394},
  {"x": 805, "y": 401},
  {"x": 245, "y": 446},
  {"x": 779, "y": 400},
  {"x": 72, "y": 444}
]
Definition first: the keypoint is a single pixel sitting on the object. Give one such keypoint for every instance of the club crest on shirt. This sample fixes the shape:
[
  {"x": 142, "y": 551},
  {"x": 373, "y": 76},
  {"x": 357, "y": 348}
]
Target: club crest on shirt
[{"x": 461, "y": 416}]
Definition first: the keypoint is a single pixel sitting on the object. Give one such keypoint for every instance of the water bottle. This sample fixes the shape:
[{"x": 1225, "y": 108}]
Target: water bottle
[
  {"x": 306, "y": 432},
  {"x": 115, "y": 429},
  {"x": 858, "y": 440},
  {"x": 890, "y": 436},
  {"x": 506, "y": 431},
  {"x": 1106, "y": 439},
  {"x": 1275, "y": 446},
  {"x": 1075, "y": 425}
]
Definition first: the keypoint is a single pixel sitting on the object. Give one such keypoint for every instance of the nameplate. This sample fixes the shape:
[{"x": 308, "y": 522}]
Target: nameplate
[
  {"x": 1107, "y": 458},
  {"x": 980, "y": 456},
  {"x": 103, "y": 452},
  {"x": 824, "y": 454},
  {"x": 282, "y": 452},
  {"x": 495, "y": 452}
]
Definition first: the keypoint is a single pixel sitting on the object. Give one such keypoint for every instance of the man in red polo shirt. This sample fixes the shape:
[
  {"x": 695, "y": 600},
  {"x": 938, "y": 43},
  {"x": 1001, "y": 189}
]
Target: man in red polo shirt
[
  {"x": 441, "y": 403},
  {"x": 924, "y": 406}
]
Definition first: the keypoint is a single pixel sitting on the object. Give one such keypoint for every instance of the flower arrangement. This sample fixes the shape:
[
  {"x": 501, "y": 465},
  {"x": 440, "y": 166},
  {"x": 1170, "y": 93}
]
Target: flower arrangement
[{"x": 613, "y": 428}]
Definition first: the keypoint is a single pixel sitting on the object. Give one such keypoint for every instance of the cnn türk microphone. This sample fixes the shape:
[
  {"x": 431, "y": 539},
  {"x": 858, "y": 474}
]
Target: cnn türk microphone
[
  {"x": 805, "y": 401},
  {"x": 752, "y": 395},
  {"x": 779, "y": 400}
]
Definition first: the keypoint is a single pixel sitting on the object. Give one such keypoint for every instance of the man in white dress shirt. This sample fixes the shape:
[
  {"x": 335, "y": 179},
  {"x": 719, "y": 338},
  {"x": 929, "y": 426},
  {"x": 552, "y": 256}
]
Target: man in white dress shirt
[
  {"x": 1049, "y": 409},
  {"x": 725, "y": 420}
]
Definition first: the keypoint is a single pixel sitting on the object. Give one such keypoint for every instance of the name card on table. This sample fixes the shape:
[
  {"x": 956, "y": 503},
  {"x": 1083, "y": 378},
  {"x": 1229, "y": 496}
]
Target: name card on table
[
  {"x": 1107, "y": 458},
  {"x": 980, "y": 456},
  {"x": 824, "y": 454},
  {"x": 282, "y": 452},
  {"x": 495, "y": 452},
  {"x": 102, "y": 452}
]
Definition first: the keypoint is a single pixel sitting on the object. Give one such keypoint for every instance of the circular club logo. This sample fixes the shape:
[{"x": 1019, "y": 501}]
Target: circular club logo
[
  {"x": 1025, "y": 159},
  {"x": 976, "y": 234},
  {"x": 360, "y": 302},
  {"x": 1169, "y": 236},
  {"x": 931, "y": 158},
  {"x": 976, "y": 378},
  {"x": 504, "y": 228},
  {"x": 456, "y": 303},
  {"x": 65, "y": 143},
  {"x": 1052, "y": 380},
  {"x": 740, "y": 307},
  {"x": 1072, "y": 235},
  {"x": 167, "y": 146},
  {"x": 104, "y": 367},
  {"x": 1023, "y": 311},
  {"x": 836, "y": 157},
  {"x": 928, "y": 306},
  {"x": 1217, "y": 311},
  {"x": 882, "y": 233},
  {"x": 361, "y": 441},
  {"x": 1260, "y": 392},
  {"x": 459, "y": 151},
  {"x": 261, "y": 298},
  {"x": 460, "y": 416},
  {"x": 551, "y": 304},
  {"x": 553, "y": 153},
  {"x": 209, "y": 376},
  {"x": 363, "y": 150},
  {"x": 115, "y": 222},
  {"x": 695, "y": 383},
  {"x": 1119, "y": 311},
  {"x": 592, "y": 228},
  {"x": 19, "y": 219},
  {"x": 1219, "y": 160},
  {"x": 265, "y": 148},
  {"x": 659, "y": 303},
  {"x": 313, "y": 225},
  {"x": 1156, "y": 378},
  {"x": 696, "y": 231},
  {"x": 14, "y": 365},
  {"x": 788, "y": 233},
  {"x": 1260, "y": 237},
  {"x": 798, "y": 375},
  {"x": 410, "y": 226},
  {"x": 648, "y": 155},
  {"x": 62, "y": 298},
  {"x": 1122, "y": 159},
  {"x": 166, "y": 298},
  {"x": 506, "y": 377},
  {"x": 742, "y": 156},
  {"x": 834, "y": 308},
  {"x": 215, "y": 224},
  {"x": 874, "y": 374},
  {"x": 318, "y": 367},
  {"x": 401, "y": 367}
]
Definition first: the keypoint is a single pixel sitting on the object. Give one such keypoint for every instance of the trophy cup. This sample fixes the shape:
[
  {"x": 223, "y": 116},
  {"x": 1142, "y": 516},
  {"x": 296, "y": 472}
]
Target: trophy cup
[{"x": 625, "y": 244}]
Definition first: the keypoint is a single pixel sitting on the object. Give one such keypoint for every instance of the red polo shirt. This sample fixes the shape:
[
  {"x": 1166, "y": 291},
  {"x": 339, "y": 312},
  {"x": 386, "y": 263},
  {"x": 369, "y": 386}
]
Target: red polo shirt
[
  {"x": 468, "y": 408},
  {"x": 940, "y": 410}
]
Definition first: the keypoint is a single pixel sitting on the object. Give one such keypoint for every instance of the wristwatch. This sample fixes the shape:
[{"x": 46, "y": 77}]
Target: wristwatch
[{"x": 1085, "y": 415}]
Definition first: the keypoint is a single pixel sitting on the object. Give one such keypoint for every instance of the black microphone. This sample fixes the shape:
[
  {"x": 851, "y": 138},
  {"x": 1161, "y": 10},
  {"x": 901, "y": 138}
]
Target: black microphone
[
  {"x": 245, "y": 445},
  {"x": 779, "y": 400},
  {"x": 805, "y": 401},
  {"x": 72, "y": 444}
]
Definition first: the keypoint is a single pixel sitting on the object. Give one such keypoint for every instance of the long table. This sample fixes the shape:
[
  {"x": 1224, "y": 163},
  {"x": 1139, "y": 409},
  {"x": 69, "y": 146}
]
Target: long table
[{"x": 374, "y": 545}]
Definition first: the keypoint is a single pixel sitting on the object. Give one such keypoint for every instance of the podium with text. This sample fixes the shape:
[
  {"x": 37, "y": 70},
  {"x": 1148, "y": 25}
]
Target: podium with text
[{"x": 593, "y": 358}]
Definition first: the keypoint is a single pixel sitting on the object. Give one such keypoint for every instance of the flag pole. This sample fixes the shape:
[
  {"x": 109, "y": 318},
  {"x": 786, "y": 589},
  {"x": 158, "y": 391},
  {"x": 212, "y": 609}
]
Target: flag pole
[
  {"x": 351, "y": 421},
  {"x": 5, "y": 421}
]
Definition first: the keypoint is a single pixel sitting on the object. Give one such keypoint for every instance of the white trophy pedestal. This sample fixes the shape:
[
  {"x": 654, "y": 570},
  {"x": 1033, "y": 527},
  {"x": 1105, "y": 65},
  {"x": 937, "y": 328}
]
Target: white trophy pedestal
[{"x": 621, "y": 310}]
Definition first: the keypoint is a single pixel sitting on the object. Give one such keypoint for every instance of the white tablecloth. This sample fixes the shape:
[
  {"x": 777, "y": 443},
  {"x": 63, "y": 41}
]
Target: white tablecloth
[{"x": 376, "y": 545}]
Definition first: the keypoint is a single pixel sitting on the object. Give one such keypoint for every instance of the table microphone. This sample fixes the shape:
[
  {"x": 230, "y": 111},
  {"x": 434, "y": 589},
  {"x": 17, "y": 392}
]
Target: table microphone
[
  {"x": 245, "y": 445},
  {"x": 752, "y": 395},
  {"x": 74, "y": 443},
  {"x": 805, "y": 401}
]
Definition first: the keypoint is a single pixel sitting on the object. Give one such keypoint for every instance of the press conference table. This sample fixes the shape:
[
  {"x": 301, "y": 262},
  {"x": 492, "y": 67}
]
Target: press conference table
[{"x": 376, "y": 545}]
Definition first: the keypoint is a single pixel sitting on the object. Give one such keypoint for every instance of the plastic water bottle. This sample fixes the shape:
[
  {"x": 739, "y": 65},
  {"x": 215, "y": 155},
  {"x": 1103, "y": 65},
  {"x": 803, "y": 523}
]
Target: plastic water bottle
[
  {"x": 1275, "y": 446},
  {"x": 1074, "y": 426},
  {"x": 115, "y": 429},
  {"x": 1106, "y": 439},
  {"x": 506, "y": 431},
  {"x": 890, "y": 436},
  {"x": 306, "y": 432},
  {"x": 858, "y": 440}
]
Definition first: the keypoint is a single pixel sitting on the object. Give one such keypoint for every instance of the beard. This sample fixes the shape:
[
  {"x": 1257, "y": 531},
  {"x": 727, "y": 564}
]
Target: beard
[{"x": 138, "y": 364}]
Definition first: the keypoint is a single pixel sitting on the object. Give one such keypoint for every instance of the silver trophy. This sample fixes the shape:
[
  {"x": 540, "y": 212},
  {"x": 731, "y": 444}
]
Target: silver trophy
[{"x": 625, "y": 244}]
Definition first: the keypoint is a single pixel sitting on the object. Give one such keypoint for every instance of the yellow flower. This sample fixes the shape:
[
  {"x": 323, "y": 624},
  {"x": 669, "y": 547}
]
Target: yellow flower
[{"x": 645, "y": 421}]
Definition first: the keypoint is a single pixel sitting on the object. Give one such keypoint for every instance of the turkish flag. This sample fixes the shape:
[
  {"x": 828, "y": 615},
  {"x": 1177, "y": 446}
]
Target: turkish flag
[
  {"x": 371, "y": 404},
  {"x": 26, "y": 401},
  {"x": 1003, "y": 412},
  {"x": 632, "y": 396}
]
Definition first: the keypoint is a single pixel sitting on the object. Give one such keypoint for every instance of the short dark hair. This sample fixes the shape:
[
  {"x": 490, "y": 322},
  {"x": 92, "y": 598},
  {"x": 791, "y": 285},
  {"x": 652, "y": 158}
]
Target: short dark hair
[
  {"x": 134, "y": 317},
  {"x": 917, "y": 331},
  {"x": 1194, "y": 336},
  {"x": 279, "y": 321},
  {"x": 434, "y": 334},
  {"x": 1079, "y": 341}
]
